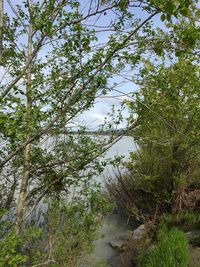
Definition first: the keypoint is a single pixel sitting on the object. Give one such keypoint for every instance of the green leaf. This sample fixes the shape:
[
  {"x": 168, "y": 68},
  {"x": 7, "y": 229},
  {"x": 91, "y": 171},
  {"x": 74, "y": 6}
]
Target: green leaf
[
  {"x": 162, "y": 17},
  {"x": 184, "y": 11},
  {"x": 170, "y": 7}
]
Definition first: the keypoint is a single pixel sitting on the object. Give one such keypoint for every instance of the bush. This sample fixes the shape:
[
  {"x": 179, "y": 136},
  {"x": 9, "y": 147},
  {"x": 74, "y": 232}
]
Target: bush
[
  {"x": 10, "y": 257},
  {"x": 162, "y": 175},
  {"x": 140, "y": 196},
  {"x": 62, "y": 236},
  {"x": 186, "y": 221},
  {"x": 171, "y": 251}
]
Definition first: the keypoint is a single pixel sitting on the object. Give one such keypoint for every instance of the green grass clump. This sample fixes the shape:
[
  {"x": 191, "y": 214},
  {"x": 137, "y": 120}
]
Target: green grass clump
[
  {"x": 170, "y": 251},
  {"x": 186, "y": 221}
]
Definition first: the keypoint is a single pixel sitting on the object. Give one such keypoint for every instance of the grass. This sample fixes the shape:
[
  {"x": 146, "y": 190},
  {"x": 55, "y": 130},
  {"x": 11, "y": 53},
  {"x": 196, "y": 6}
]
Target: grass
[{"x": 171, "y": 251}]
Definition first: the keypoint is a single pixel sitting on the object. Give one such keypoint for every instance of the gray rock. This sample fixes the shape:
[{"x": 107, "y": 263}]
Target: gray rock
[
  {"x": 120, "y": 242},
  {"x": 117, "y": 244},
  {"x": 126, "y": 247},
  {"x": 192, "y": 235},
  {"x": 140, "y": 232}
]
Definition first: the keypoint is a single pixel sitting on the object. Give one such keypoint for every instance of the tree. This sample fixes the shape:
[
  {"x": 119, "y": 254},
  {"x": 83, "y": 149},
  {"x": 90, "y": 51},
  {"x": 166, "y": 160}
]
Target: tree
[
  {"x": 1, "y": 29},
  {"x": 167, "y": 135},
  {"x": 53, "y": 67}
]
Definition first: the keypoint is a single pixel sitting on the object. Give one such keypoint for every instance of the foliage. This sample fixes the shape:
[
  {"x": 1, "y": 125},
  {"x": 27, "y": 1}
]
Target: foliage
[
  {"x": 171, "y": 250},
  {"x": 53, "y": 67},
  {"x": 167, "y": 161},
  {"x": 186, "y": 221},
  {"x": 9, "y": 255},
  {"x": 63, "y": 235},
  {"x": 71, "y": 229},
  {"x": 16, "y": 250}
]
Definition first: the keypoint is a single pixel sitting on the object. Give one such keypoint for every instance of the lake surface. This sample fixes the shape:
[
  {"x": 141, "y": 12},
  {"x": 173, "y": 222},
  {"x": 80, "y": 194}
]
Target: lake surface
[
  {"x": 114, "y": 224},
  {"x": 122, "y": 148}
]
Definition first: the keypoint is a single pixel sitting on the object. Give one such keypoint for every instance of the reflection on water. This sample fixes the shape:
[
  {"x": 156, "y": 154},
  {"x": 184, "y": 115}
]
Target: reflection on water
[
  {"x": 122, "y": 147},
  {"x": 114, "y": 225}
]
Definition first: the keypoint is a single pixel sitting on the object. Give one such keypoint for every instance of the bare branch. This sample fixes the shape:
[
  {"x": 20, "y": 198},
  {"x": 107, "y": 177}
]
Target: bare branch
[{"x": 1, "y": 29}]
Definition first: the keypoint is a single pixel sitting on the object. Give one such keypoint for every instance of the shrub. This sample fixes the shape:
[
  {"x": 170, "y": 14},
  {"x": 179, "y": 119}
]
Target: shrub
[
  {"x": 170, "y": 251},
  {"x": 184, "y": 220},
  {"x": 10, "y": 257},
  {"x": 139, "y": 196},
  {"x": 163, "y": 173},
  {"x": 71, "y": 228},
  {"x": 62, "y": 235}
]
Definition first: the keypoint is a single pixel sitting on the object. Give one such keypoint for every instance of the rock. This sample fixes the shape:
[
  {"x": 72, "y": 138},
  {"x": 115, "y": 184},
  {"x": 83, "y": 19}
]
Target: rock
[
  {"x": 119, "y": 243},
  {"x": 127, "y": 247},
  {"x": 140, "y": 233},
  {"x": 137, "y": 235},
  {"x": 193, "y": 235}
]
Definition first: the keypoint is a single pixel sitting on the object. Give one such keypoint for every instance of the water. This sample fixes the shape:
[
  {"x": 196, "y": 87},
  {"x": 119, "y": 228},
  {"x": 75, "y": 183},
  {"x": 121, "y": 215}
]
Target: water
[
  {"x": 114, "y": 225},
  {"x": 122, "y": 148}
]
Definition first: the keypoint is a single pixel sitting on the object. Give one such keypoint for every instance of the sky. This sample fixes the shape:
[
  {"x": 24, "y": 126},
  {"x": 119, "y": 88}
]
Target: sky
[
  {"x": 102, "y": 107},
  {"x": 96, "y": 115}
]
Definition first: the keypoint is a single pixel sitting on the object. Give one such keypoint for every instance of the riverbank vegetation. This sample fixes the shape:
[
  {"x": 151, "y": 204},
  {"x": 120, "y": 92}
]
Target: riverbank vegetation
[
  {"x": 160, "y": 184},
  {"x": 163, "y": 174},
  {"x": 57, "y": 58},
  {"x": 171, "y": 250}
]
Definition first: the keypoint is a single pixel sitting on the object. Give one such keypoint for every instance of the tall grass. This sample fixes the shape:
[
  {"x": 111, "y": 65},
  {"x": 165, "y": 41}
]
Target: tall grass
[{"x": 171, "y": 251}]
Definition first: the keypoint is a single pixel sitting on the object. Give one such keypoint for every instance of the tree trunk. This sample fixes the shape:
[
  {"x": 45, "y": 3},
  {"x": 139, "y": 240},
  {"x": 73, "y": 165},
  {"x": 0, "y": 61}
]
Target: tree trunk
[
  {"x": 26, "y": 166},
  {"x": 1, "y": 30}
]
